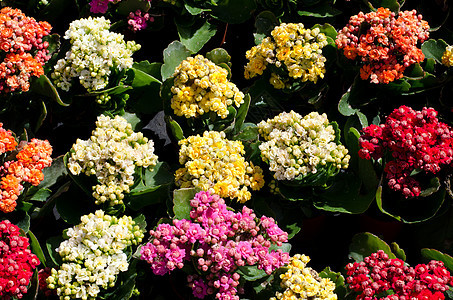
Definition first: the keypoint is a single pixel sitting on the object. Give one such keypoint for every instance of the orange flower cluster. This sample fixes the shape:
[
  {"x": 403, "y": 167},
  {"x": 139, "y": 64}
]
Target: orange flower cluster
[
  {"x": 20, "y": 36},
  {"x": 31, "y": 159},
  {"x": 385, "y": 45}
]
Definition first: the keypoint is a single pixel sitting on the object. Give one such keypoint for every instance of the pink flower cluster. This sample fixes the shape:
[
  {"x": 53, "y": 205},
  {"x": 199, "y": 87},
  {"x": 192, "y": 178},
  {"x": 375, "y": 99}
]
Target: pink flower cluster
[
  {"x": 138, "y": 20},
  {"x": 377, "y": 274},
  {"x": 16, "y": 262},
  {"x": 101, "y": 6},
  {"x": 218, "y": 241},
  {"x": 416, "y": 140}
]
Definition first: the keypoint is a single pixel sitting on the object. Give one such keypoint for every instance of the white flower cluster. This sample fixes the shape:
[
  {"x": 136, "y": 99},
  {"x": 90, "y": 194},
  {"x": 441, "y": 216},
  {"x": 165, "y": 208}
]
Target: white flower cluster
[
  {"x": 297, "y": 146},
  {"x": 111, "y": 154},
  {"x": 93, "y": 255},
  {"x": 95, "y": 51}
]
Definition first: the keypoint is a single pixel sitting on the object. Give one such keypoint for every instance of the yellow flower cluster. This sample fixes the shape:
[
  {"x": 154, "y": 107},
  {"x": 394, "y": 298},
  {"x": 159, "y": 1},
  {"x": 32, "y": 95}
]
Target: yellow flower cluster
[
  {"x": 214, "y": 163},
  {"x": 301, "y": 282},
  {"x": 447, "y": 57},
  {"x": 201, "y": 86},
  {"x": 297, "y": 145},
  {"x": 299, "y": 49}
]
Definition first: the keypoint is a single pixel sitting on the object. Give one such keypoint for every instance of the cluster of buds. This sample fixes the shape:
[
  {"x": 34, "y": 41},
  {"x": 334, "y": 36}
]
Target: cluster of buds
[
  {"x": 112, "y": 154},
  {"x": 93, "y": 255},
  {"x": 22, "y": 168},
  {"x": 200, "y": 86},
  {"x": 95, "y": 52},
  {"x": 297, "y": 146},
  {"x": 379, "y": 277},
  {"x": 16, "y": 262},
  {"x": 218, "y": 241},
  {"x": 22, "y": 49},
  {"x": 294, "y": 50},
  {"x": 447, "y": 57},
  {"x": 139, "y": 20},
  {"x": 384, "y": 45},
  {"x": 303, "y": 283},
  {"x": 216, "y": 164},
  {"x": 416, "y": 141}
]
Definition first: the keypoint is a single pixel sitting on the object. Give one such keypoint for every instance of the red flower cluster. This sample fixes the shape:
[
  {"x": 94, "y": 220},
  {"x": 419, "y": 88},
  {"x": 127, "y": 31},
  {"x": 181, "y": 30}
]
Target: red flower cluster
[
  {"x": 16, "y": 262},
  {"x": 416, "y": 140},
  {"x": 31, "y": 159},
  {"x": 385, "y": 46},
  {"x": 377, "y": 274},
  {"x": 22, "y": 49}
]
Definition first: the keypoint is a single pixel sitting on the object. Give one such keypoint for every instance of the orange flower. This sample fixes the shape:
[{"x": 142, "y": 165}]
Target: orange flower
[
  {"x": 36, "y": 154},
  {"x": 7, "y": 141}
]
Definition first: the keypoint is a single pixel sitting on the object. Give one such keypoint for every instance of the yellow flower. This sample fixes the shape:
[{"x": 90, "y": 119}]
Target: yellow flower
[{"x": 447, "y": 57}]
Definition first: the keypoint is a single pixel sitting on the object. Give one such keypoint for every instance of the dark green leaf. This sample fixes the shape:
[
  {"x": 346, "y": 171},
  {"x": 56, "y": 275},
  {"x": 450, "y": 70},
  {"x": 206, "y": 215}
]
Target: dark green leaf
[
  {"x": 344, "y": 107},
  {"x": 150, "y": 196},
  {"x": 176, "y": 130},
  {"x": 218, "y": 56},
  {"x": 36, "y": 248},
  {"x": 362, "y": 118},
  {"x": 399, "y": 253},
  {"x": 42, "y": 116},
  {"x": 53, "y": 173},
  {"x": 131, "y": 119},
  {"x": 127, "y": 6},
  {"x": 393, "y": 5},
  {"x": 251, "y": 273},
  {"x": 234, "y": 11},
  {"x": 52, "y": 244},
  {"x": 437, "y": 255},
  {"x": 195, "y": 37},
  {"x": 24, "y": 221},
  {"x": 241, "y": 114},
  {"x": 32, "y": 291},
  {"x": 323, "y": 10},
  {"x": 434, "y": 49},
  {"x": 160, "y": 175},
  {"x": 44, "y": 86},
  {"x": 327, "y": 29},
  {"x": 265, "y": 22},
  {"x": 364, "y": 244},
  {"x": 181, "y": 201},
  {"x": 140, "y": 221},
  {"x": 41, "y": 195},
  {"x": 285, "y": 247},
  {"x": 152, "y": 69},
  {"x": 195, "y": 10},
  {"x": 174, "y": 54},
  {"x": 434, "y": 185},
  {"x": 54, "y": 43}
]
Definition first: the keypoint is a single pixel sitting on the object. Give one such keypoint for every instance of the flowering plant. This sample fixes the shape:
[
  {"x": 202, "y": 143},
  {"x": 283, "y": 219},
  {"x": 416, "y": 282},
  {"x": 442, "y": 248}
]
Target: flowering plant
[
  {"x": 23, "y": 52},
  {"x": 113, "y": 154},
  {"x": 293, "y": 52},
  {"x": 93, "y": 254},
  {"x": 216, "y": 164},
  {"x": 17, "y": 262},
  {"x": 447, "y": 56},
  {"x": 23, "y": 166},
  {"x": 383, "y": 44},
  {"x": 219, "y": 242}
]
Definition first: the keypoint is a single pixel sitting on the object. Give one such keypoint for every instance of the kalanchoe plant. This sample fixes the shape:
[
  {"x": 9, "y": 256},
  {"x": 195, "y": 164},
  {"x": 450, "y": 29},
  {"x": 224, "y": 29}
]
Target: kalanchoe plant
[
  {"x": 292, "y": 53},
  {"x": 21, "y": 166},
  {"x": 381, "y": 277},
  {"x": 93, "y": 254},
  {"x": 416, "y": 142},
  {"x": 113, "y": 154},
  {"x": 216, "y": 164},
  {"x": 383, "y": 43},
  {"x": 447, "y": 57},
  {"x": 219, "y": 243},
  {"x": 23, "y": 52},
  {"x": 17, "y": 262}
]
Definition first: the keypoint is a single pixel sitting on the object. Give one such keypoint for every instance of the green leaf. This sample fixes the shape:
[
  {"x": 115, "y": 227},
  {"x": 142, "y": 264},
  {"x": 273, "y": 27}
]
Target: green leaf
[
  {"x": 42, "y": 116},
  {"x": 399, "y": 253},
  {"x": 364, "y": 244},
  {"x": 285, "y": 247},
  {"x": 41, "y": 195},
  {"x": 434, "y": 185},
  {"x": 344, "y": 107},
  {"x": 72, "y": 205},
  {"x": 36, "y": 248},
  {"x": 327, "y": 29},
  {"x": 24, "y": 221},
  {"x": 393, "y": 5},
  {"x": 175, "y": 129},
  {"x": 434, "y": 49},
  {"x": 145, "y": 97},
  {"x": 152, "y": 69},
  {"x": 234, "y": 11},
  {"x": 181, "y": 202},
  {"x": 248, "y": 132},
  {"x": 194, "y": 11},
  {"x": 437, "y": 255},
  {"x": 195, "y": 37},
  {"x": 241, "y": 114},
  {"x": 362, "y": 118},
  {"x": 53, "y": 173},
  {"x": 32, "y": 290},
  {"x": 54, "y": 43},
  {"x": 251, "y": 273},
  {"x": 45, "y": 87},
  {"x": 160, "y": 175},
  {"x": 218, "y": 56},
  {"x": 150, "y": 196},
  {"x": 131, "y": 119},
  {"x": 53, "y": 243},
  {"x": 337, "y": 279},
  {"x": 265, "y": 22},
  {"x": 174, "y": 54},
  {"x": 324, "y": 10},
  {"x": 127, "y": 6},
  {"x": 140, "y": 221}
]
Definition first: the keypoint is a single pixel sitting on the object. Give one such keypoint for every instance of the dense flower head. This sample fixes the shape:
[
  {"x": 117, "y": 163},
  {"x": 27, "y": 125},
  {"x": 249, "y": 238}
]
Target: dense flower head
[
  {"x": 95, "y": 52},
  {"x": 22, "y": 49},
  {"x": 297, "y": 145},
  {"x": 447, "y": 57},
  {"x": 290, "y": 45},
  {"x": 383, "y": 44},
  {"x": 218, "y": 241},
  {"x": 25, "y": 165},
  {"x": 112, "y": 154},
  {"x": 302, "y": 282},
  {"x": 416, "y": 141},
  {"x": 17, "y": 263},
  {"x": 93, "y": 255},
  {"x": 101, "y": 6},
  {"x": 200, "y": 86},
  {"x": 377, "y": 275},
  {"x": 139, "y": 20},
  {"x": 216, "y": 164}
]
